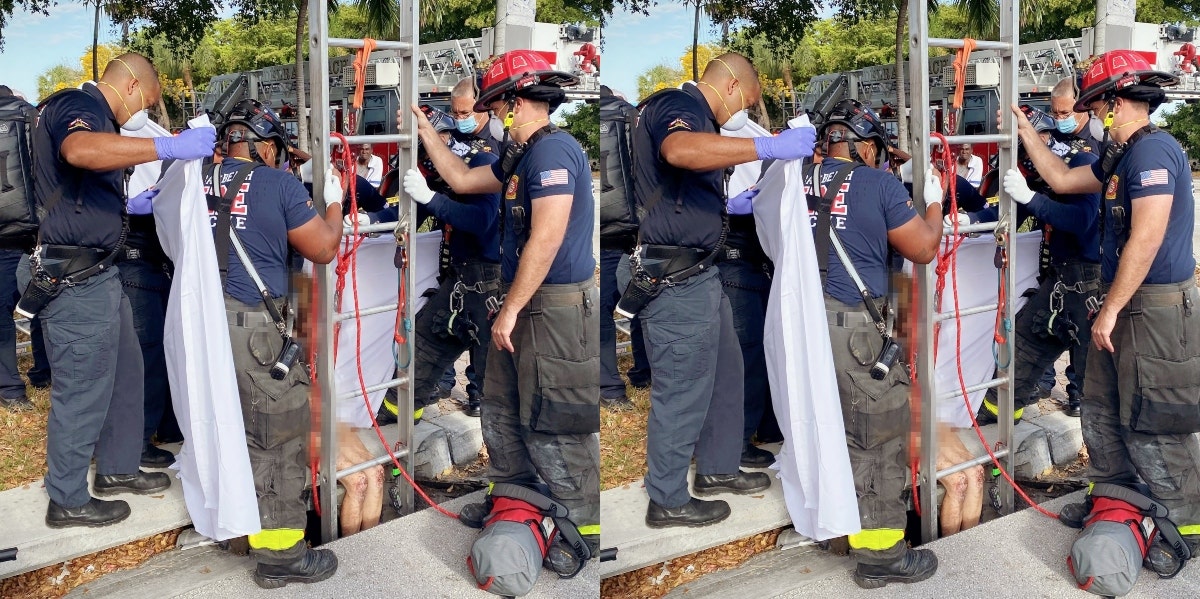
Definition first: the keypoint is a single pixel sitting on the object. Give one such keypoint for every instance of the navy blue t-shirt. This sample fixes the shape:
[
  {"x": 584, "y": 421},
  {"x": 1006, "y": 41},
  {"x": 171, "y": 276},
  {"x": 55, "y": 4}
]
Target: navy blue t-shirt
[
  {"x": 89, "y": 211},
  {"x": 270, "y": 203},
  {"x": 1154, "y": 165},
  {"x": 871, "y": 202},
  {"x": 689, "y": 211},
  {"x": 555, "y": 165}
]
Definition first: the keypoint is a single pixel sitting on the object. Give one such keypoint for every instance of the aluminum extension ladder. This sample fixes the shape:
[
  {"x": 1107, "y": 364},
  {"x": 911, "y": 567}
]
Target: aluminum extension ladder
[
  {"x": 319, "y": 43},
  {"x": 918, "y": 70}
]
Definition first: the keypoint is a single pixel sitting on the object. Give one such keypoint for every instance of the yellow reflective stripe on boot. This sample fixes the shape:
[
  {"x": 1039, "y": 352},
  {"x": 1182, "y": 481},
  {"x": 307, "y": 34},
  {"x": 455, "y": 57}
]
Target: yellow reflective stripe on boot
[
  {"x": 1017, "y": 413},
  {"x": 276, "y": 539},
  {"x": 1189, "y": 530},
  {"x": 417, "y": 413},
  {"x": 590, "y": 529},
  {"x": 992, "y": 408},
  {"x": 392, "y": 408},
  {"x": 876, "y": 539}
]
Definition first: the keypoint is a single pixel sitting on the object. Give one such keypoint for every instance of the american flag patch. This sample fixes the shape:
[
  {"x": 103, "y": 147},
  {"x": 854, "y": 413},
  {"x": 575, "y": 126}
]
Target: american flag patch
[
  {"x": 1157, "y": 176},
  {"x": 557, "y": 176}
]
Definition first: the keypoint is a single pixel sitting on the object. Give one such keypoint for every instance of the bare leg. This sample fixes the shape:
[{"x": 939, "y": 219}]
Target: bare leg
[
  {"x": 963, "y": 503},
  {"x": 363, "y": 504}
]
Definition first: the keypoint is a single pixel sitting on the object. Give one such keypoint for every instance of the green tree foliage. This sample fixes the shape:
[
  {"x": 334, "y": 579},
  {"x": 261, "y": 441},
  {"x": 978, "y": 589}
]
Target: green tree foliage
[
  {"x": 1184, "y": 125},
  {"x": 584, "y": 124},
  {"x": 58, "y": 77}
]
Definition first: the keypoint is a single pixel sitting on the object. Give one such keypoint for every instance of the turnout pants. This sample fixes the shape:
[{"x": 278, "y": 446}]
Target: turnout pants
[
  {"x": 1037, "y": 347},
  {"x": 696, "y": 401},
  {"x": 276, "y": 417},
  {"x": 541, "y": 408},
  {"x": 96, "y": 397},
  {"x": 439, "y": 341},
  {"x": 876, "y": 416},
  {"x": 1157, "y": 342}
]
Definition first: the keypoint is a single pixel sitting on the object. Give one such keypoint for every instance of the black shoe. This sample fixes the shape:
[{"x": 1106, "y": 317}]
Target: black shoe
[
  {"x": 141, "y": 483},
  {"x": 154, "y": 457},
  {"x": 1073, "y": 401},
  {"x": 1161, "y": 560},
  {"x": 473, "y": 514},
  {"x": 740, "y": 483},
  {"x": 383, "y": 417},
  {"x": 769, "y": 438},
  {"x": 473, "y": 404},
  {"x": 693, "y": 514},
  {"x": 1073, "y": 514},
  {"x": 40, "y": 383},
  {"x": 914, "y": 566},
  {"x": 18, "y": 404},
  {"x": 314, "y": 566},
  {"x": 561, "y": 559},
  {"x": 755, "y": 457},
  {"x": 640, "y": 383},
  {"x": 616, "y": 403},
  {"x": 93, "y": 514},
  {"x": 984, "y": 417}
]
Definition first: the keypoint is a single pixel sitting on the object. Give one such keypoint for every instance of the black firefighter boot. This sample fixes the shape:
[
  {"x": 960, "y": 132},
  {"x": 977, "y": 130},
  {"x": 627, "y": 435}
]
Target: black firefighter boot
[
  {"x": 1162, "y": 561},
  {"x": 314, "y": 566},
  {"x": 561, "y": 559},
  {"x": 914, "y": 566}
]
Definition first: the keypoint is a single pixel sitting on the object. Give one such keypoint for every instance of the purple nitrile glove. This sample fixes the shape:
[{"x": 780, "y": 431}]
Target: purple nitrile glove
[
  {"x": 188, "y": 145},
  {"x": 741, "y": 203},
  {"x": 788, "y": 145},
  {"x": 141, "y": 203}
]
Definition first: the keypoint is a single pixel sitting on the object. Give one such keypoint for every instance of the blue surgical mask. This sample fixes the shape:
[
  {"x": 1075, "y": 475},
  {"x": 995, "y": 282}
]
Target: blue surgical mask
[
  {"x": 466, "y": 125},
  {"x": 1066, "y": 125}
]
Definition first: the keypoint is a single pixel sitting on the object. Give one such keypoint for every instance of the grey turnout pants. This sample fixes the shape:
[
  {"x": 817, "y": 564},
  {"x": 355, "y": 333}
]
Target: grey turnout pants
[
  {"x": 96, "y": 396},
  {"x": 876, "y": 416},
  {"x": 541, "y": 407},
  {"x": 1138, "y": 398},
  {"x": 275, "y": 415}
]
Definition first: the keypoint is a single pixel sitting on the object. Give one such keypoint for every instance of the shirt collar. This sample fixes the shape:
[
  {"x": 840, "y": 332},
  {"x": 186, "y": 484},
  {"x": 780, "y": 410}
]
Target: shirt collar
[
  {"x": 693, "y": 90},
  {"x": 94, "y": 91}
]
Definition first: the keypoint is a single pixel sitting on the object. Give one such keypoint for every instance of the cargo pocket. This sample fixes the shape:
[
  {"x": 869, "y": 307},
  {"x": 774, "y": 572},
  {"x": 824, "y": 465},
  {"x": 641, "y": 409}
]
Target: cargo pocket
[
  {"x": 567, "y": 399},
  {"x": 879, "y": 409},
  {"x": 279, "y": 409},
  {"x": 1167, "y": 398}
]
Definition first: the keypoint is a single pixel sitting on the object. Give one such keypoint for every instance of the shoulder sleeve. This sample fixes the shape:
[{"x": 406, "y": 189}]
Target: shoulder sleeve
[
  {"x": 1150, "y": 170},
  {"x": 897, "y": 206},
  {"x": 297, "y": 206},
  {"x": 553, "y": 170},
  {"x": 71, "y": 113},
  {"x": 671, "y": 113}
]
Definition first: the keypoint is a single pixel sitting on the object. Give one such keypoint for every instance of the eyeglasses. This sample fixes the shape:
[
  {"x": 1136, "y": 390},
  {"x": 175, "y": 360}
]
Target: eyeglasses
[
  {"x": 1061, "y": 114},
  {"x": 461, "y": 114}
]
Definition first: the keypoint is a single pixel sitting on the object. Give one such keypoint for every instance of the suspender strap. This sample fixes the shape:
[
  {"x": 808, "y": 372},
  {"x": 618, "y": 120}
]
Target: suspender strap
[
  {"x": 222, "y": 204},
  {"x": 824, "y": 205}
]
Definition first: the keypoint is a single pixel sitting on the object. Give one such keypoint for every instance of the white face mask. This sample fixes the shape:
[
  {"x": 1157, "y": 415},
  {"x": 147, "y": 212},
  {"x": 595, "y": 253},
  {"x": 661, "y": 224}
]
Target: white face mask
[
  {"x": 137, "y": 121},
  {"x": 496, "y": 128},
  {"x": 1096, "y": 127},
  {"x": 737, "y": 121}
]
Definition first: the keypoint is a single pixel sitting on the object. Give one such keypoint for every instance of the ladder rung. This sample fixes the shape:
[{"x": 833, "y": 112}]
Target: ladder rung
[
  {"x": 943, "y": 42},
  {"x": 968, "y": 312},
  {"x": 395, "y": 138},
  {"x": 357, "y": 392},
  {"x": 984, "y": 138},
  {"x": 975, "y": 228},
  {"x": 983, "y": 459},
  {"x": 957, "y": 392},
  {"x": 342, "y": 42},
  {"x": 375, "y": 228},
  {"x": 383, "y": 459},
  {"x": 368, "y": 312}
]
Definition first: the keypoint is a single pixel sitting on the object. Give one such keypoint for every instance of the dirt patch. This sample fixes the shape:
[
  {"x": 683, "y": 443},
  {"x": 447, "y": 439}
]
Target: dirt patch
[
  {"x": 56, "y": 581},
  {"x": 656, "y": 581},
  {"x": 23, "y": 438}
]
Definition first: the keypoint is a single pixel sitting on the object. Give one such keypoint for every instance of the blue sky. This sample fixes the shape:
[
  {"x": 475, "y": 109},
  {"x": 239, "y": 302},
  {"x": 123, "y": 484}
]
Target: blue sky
[
  {"x": 35, "y": 42},
  {"x": 634, "y": 42}
]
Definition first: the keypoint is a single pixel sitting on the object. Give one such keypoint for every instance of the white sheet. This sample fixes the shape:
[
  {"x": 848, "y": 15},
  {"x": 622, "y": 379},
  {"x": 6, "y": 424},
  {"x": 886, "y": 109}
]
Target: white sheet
[
  {"x": 214, "y": 464},
  {"x": 814, "y": 464}
]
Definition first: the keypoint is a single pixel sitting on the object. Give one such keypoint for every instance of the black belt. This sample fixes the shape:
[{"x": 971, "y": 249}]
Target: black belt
[
  {"x": 680, "y": 263},
  {"x": 1073, "y": 271},
  {"x": 754, "y": 256},
  {"x": 151, "y": 256},
  {"x": 474, "y": 271},
  {"x": 78, "y": 263}
]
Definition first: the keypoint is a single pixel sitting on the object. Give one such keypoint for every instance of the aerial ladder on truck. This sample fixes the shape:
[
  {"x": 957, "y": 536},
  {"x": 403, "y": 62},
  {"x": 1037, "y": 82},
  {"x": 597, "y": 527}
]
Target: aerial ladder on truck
[
  {"x": 930, "y": 311},
  {"x": 406, "y": 49}
]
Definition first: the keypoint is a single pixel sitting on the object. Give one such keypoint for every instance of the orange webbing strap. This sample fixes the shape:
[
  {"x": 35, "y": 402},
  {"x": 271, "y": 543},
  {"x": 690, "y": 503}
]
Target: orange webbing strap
[
  {"x": 960, "y": 71},
  {"x": 360, "y": 71}
]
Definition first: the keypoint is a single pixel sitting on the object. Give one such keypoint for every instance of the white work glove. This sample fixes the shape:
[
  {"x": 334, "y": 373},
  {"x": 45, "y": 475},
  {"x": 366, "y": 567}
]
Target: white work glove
[
  {"x": 906, "y": 172},
  {"x": 933, "y": 186},
  {"x": 962, "y": 218},
  {"x": 363, "y": 219},
  {"x": 1016, "y": 186},
  {"x": 333, "y": 188},
  {"x": 306, "y": 172},
  {"x": 416, "y": 187}
]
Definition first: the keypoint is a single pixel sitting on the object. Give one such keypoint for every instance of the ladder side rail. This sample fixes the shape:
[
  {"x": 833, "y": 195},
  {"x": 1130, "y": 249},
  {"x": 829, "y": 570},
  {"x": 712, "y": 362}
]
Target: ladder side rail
[
  {"x": 406, "y": 228},
  {"x": 1009, "y": 34}
]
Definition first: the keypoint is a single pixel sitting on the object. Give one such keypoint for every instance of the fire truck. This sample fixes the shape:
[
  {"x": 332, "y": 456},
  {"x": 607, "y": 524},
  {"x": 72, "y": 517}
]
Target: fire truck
[
  {"x": 1169, "y": 47},
  {"x": 572, "y": 48}
]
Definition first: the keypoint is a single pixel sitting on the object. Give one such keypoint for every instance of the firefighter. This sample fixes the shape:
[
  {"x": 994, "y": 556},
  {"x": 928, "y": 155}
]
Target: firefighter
[
  {"x": 541, "y": 405},
  {"x": 870, "y": 210},
  {"x": 1140, "y": 406},
  {"x": 1056, "y": 317},
  {"x": 270, "y": 210}
]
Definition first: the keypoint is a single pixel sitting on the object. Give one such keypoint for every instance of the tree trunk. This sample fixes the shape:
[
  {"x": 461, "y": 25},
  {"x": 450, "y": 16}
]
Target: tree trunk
[
  {"x": 187, "y": 80},
  {"x": 791, "y": 89},
  {"x": 164, "y": 119},
  {"x": 764, "y": 119},
  {"x": 96, "y": 44},
  {"x": 901, "y": 102},
  {"x": 696, "y": 44},
  {"x": 125, "y": 33},
  {"x": 301, "y": 100}
]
